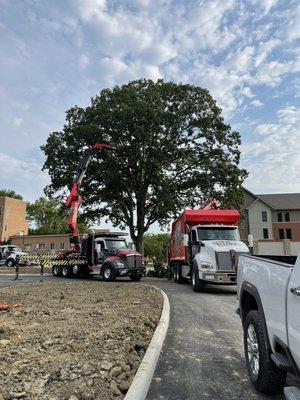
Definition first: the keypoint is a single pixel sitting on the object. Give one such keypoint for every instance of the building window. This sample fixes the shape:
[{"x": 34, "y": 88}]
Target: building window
[
  {"x": 285, "y": 233},
  {"x": 52, "y": 246},
  {"x": 289, "y": 234},
  {"x": 264, "y": 216},
  {"x": 41, "y": 246},
  {"x": 27, "y": 246},
  {"x": 287, "y": 216},
  {"x": 62, "y": 246},
  {"x": 279, "y": 216},
  {"x": 266, "y": 233}
]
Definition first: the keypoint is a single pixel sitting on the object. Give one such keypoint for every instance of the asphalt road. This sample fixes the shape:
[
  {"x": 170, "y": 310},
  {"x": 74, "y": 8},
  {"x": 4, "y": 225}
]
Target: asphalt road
[
  {"x": 203, "y": 354},
  {"x": 202, "y": 357}
]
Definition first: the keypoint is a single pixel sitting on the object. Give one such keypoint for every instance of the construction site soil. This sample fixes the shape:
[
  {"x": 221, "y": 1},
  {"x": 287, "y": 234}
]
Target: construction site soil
[
  {"x": 74, "y": 340},
  {"x": 25, "y": 270}
]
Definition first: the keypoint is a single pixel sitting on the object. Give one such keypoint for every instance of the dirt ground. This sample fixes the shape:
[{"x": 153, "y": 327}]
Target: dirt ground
[
  {"x": 33, "y": 269},
  {"x": 77, "y": 340}
]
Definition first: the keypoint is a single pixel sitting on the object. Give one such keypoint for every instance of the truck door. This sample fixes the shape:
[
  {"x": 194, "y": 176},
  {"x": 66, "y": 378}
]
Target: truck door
[{"x": 293, "y": 307}]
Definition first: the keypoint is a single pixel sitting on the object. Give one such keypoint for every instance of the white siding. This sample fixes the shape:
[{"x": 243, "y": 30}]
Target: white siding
[{"x": 256, "y": 224}]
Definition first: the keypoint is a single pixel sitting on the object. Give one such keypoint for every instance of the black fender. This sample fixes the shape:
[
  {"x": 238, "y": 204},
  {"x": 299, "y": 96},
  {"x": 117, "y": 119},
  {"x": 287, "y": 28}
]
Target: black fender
[
  {"x": 248, "y": 288},
  {"x": 112, "y": 262}
]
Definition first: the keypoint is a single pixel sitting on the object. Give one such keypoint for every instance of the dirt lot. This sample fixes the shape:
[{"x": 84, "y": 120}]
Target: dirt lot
[
  {"x": 25, "y": 270},
  {"x": 77, "y": 340}
]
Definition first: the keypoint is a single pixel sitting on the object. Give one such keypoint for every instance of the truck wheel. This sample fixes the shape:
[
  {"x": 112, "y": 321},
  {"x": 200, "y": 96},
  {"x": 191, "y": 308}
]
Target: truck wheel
[
  {"x": 10, "y": 262},
  {"x": 136, "y": 278},
  {"x": 108, "y": 273},
  {"x": 265, "y": 376},
  {"x": 74, "y": 271},
  {"x": 174, "y": 272},
  {"x": 65, "y": 272},
  {"x": 198, "y": 285},
  {"x": 179, "y": 278},
  {"x": 56, "y": 270}
]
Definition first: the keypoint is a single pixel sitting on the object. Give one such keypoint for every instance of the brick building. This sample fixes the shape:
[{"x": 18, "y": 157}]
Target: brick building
[
  {"x": 12, "y": 218},
  {"x": 42, "y": 243}
]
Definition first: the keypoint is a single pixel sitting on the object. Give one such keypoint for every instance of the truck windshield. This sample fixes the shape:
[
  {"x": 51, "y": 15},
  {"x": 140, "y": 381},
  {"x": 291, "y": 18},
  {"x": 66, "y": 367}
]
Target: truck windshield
[
  {"x": 14, "y": 248},
  {"x": 115, "y": 244},
  {"x": 217, "y": 233}
]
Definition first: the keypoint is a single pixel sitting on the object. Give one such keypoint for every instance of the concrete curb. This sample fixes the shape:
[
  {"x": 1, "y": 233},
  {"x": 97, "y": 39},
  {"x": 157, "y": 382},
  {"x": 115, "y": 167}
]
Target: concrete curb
[{"x": 141, "y": 382}]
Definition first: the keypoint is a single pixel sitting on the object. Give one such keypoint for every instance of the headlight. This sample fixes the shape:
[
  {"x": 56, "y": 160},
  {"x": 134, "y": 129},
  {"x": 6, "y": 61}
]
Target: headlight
[{"x": 206, "y": 265}]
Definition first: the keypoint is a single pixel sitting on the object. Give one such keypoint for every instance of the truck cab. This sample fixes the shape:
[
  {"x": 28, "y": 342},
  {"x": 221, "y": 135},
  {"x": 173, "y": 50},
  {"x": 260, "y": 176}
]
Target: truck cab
[{"x": 205, "y": 247}]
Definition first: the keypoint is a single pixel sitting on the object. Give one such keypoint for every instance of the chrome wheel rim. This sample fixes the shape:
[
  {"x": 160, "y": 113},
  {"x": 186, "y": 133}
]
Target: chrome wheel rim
[
  {"x": 252, "y": 350},
  {"x": 107, "y": 273},
  {"x": 55, "y": 271},
  {"x": 65, "y": 271}
]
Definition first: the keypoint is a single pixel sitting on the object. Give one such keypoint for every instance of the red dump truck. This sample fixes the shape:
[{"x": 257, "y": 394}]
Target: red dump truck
[{"x": 205, "y": 246}]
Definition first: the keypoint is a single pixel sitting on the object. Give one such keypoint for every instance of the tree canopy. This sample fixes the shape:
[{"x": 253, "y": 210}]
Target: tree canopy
[
  {"x": 155, "y": 245},
  {"x": 10, "y": 193},
  {"x": 49, "y": 217},
  {"x": 172, "y": 149}
]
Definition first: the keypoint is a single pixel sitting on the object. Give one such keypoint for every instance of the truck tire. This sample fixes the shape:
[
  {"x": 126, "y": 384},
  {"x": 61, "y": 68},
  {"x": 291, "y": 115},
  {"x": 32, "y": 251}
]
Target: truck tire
[
  {"x": 74, "y": 271},
  {"x": 174, "y": 273},
  {"x": 65, "y": 271},
  {"x": 178, "y": 273},
  {"x": 198, "y": 285},
  {"x": 108, "y": 273},
  {"x": 265, "y": 376},
  {"x": 136, "y": 278},
  {"x": 56, "y": 270},
  {"x": 10, "y": 262}
]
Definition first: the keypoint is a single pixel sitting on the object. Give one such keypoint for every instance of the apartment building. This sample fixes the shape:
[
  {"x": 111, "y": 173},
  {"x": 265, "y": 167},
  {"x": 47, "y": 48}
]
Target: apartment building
[
  {"x": 271, "y": 217},
  {"x": 12, "y": 218}
]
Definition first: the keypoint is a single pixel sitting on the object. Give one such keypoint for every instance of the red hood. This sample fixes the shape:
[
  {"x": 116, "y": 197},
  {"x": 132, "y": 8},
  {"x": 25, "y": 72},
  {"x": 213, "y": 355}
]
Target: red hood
[{"x": 124, "y": 252}]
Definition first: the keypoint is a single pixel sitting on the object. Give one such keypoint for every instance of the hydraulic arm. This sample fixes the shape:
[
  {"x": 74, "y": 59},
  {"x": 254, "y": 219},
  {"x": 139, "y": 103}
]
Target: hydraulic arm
[{"x": 74, "y": 199}]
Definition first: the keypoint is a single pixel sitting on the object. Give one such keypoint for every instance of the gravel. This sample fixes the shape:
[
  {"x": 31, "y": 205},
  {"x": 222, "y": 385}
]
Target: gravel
[{"x": 74, "y": 341}]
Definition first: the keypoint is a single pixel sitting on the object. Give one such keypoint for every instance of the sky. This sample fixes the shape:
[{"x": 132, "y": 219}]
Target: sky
[{"x": 58, "y": 53}]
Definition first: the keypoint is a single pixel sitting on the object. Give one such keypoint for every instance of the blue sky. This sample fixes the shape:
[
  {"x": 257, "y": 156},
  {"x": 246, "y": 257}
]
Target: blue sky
[{"x": 55, "y": 54}]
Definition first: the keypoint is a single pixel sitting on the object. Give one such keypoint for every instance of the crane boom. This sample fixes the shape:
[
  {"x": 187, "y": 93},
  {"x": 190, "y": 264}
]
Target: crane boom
[{"x": 74, "y": 199}]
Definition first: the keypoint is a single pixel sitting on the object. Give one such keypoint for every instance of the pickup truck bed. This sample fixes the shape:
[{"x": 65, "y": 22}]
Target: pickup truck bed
[{"x": 269, "y": 306}]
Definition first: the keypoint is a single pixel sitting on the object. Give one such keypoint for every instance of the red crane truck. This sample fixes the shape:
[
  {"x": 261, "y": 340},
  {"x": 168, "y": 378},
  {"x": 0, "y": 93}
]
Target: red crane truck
[
  {"x": 101, "y": 253},
  {"x": 205, "y": 246}
]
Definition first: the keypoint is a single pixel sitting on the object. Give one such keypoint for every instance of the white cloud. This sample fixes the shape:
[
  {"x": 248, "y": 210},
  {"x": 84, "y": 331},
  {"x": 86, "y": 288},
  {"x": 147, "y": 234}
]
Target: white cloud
[
  {"x": 257, "y": 103},
  {"x": 293, "y": 27},
  {"x": 84, "y": 61},
  {"x": 17, "y": 121},
  {"x": 273, "y": 159}
]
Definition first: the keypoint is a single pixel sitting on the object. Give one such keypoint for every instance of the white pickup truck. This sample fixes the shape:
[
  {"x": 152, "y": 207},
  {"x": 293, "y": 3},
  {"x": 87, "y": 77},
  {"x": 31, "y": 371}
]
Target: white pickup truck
[
  {"x": 269, "y": 307},
  {"x": 8, "y": 254}
]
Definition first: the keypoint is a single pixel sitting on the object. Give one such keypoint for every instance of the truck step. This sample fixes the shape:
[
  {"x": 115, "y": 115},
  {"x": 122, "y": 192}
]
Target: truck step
[
  {"x": 282, "y": 362},
  {"x": 291, "y": 393}
]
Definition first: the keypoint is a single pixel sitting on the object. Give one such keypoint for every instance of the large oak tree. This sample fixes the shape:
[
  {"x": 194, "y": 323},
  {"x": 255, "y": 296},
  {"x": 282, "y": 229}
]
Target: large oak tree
[{"x": 172, "y": 149}]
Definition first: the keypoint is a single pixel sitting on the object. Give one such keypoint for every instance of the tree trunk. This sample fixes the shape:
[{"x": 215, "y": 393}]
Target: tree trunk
[{"x": 139, "y": 243}]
